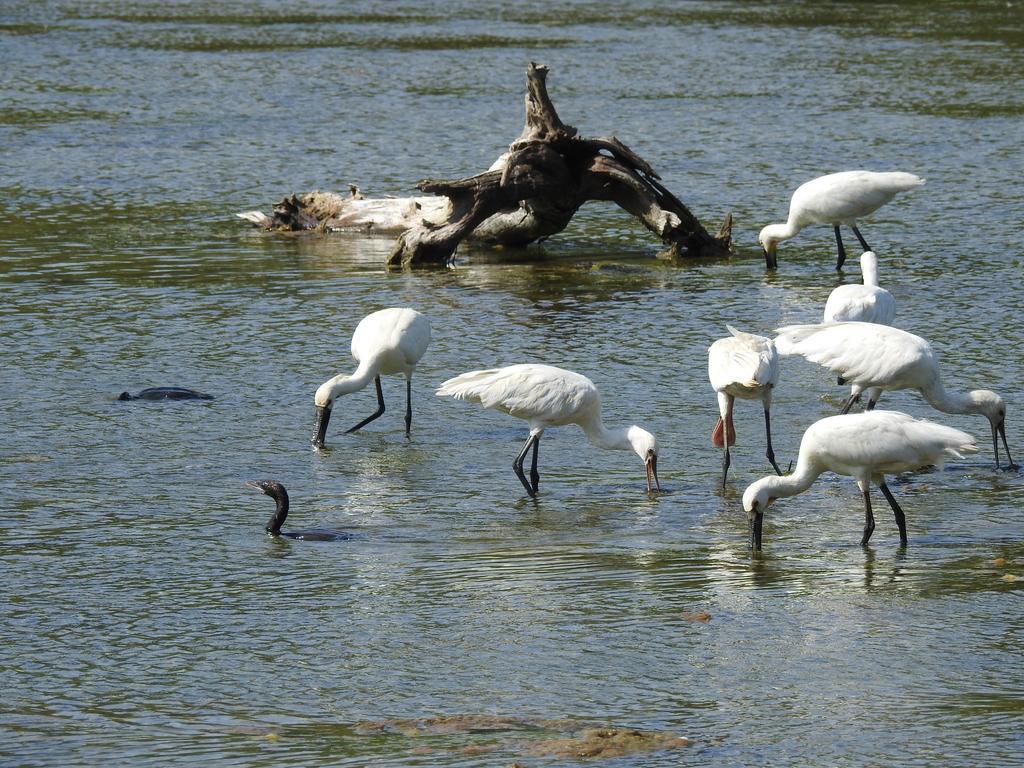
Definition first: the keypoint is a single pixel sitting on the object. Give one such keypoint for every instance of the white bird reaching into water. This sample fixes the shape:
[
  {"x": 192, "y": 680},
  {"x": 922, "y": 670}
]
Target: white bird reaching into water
[
  {"x": 746, "y": 366},
  {"x": 865, "y": 303},
  {"x": 865, "y": 446},
  {"x": 385, "y": 342},
  {"x": 836, "y": 199},
  {"x": 870, "y": 356},
  {"x": 546, "y": 396}
]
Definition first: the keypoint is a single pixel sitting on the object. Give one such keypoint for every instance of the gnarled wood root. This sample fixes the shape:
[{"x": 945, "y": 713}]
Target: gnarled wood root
[{"x": 531, "y": 192}]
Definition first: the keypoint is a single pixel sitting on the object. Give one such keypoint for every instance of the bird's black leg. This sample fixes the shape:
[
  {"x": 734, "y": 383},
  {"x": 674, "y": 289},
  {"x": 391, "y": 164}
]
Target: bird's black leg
[
  {"x": 517, "y": 465},
  {"x": 534, "y": 474},
  {"x": 860, "y": 237},
  {"x": 408, "y": 406},
  {"x": 853, "y": 398},
  {"x": 869, "y": 518},
  {"x": 768, "y": 434},
  {"x": 726, "y": 461},
  {"x": 901, "y": 519},
  {"x": 842, "y": 251},
  {"x": 379, "y": 412}
]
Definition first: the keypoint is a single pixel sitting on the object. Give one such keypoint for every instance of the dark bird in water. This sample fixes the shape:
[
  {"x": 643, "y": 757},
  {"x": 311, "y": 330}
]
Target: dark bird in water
[
  {"x": 166, "y": 393},
  {"x": 276, "y": 491}
]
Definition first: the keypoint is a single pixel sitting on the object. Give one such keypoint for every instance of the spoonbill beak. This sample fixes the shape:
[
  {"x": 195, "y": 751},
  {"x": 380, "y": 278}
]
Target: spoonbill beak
[
  {"x": 755, "y": 530},
  {"x": 323, "y": 418},
  {"x": 651, "y": 465},
  {"x": 1000, "y": 429},
  {"x": 770, "y": 262}
]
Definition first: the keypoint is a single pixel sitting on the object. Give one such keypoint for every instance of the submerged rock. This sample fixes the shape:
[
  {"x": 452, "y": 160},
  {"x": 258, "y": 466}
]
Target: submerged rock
[
  {"x": 447, "y": 724},
  {"x": 695, "y": 616},
  {"x": 535, "y": 737},
  {"x": 166, "y": 393},
  {"x": 606, "y": 742}
]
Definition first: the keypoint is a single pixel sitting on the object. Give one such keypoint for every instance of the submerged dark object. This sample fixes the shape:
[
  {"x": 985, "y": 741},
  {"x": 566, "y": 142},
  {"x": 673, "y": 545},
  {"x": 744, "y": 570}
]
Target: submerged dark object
[
  {"x": 166, "y": 393},
  {"x": 277, "y": 492}
]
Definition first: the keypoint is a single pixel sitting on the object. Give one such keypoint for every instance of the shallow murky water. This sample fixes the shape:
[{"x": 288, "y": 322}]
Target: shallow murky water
[{"x": 148, "y": 619}]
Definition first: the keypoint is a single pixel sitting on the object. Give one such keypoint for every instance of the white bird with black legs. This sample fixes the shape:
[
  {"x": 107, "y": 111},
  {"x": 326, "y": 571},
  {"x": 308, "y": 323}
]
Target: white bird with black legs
[
  {"x": 866, "y": 446},
  {"x": 386, "y": 342},
  {"x": 877, "y": 357},
  {"x": 547, "y": 396},
  {"x": 746, "y": 366},
  {"x": 836, "y": 199},
  {"x": 863, "y": 302}
]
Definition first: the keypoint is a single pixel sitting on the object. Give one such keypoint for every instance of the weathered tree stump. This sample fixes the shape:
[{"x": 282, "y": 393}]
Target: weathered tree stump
[{"x": 530, "y": 192}]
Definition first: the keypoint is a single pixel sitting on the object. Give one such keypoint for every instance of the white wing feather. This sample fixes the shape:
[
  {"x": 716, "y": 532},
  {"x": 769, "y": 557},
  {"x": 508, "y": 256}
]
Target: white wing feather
[
  {"x": 744, "y": 360},
  {"x": 398, "y": 335},
  {"x": 861, "y": 303},
  {"x": 883, "y": 442},
  {"x": 862, "y": 353},
  {"x": 532, "y": 392},
  {"x": 848, "y": 195}
]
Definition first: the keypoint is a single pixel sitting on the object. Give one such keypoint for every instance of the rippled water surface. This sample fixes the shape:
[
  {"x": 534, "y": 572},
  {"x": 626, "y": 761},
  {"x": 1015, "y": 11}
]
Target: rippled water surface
[{"x": 148, "y": 620}]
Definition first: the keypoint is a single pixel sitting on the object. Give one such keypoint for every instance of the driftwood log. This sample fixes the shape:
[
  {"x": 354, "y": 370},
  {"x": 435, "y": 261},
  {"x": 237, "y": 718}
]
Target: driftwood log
[{"x": 530, "y": 192}]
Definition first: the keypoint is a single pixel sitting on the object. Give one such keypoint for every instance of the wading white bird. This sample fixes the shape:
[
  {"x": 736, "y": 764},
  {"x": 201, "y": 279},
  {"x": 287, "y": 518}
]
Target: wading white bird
[
  {"x": 836, "y": 199},
  {"x": 546, "y": 396},
  {"x": 385, "y": 342},
  {"x": 746, "y": 366},
  {"x": 865, "y": 446},
  {"x": 865, "y": 303},
  {"x": 870, "y": 356}
]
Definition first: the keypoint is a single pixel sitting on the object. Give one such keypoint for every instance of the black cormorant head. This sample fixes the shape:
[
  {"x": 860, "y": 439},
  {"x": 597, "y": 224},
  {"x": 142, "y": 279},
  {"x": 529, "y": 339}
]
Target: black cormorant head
[{"x": 276, "y": 491}]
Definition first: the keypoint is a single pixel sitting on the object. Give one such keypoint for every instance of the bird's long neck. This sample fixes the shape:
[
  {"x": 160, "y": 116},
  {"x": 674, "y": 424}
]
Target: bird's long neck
[
  {"x": 616, "y": 439},
  {"x": 785, "y": 231},
  {"x": 869, "y": 271},
  {"x": 280, "y": 514},
  {"x": 949, "y": 402},
  {"x": 800, "y": 480},
  {"x": 343, "y": 384},
  {"x": 793, "y": 225}
]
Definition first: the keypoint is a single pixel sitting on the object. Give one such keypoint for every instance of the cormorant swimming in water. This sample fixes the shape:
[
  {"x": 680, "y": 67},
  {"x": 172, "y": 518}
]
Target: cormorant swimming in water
[{"x": 277, "y": 492}]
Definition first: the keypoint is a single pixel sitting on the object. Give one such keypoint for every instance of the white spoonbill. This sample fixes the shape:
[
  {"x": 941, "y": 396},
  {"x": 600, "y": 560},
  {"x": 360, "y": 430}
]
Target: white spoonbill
[
  {"x": 385, "y": 342},
  {"x": 746, "y": 366},
  {"x": 866, "y": 446},
  {"x": 836, "y": 199},
  {"x": 871, "y": 356},
  {"x": 865, "y": 303},
  {"x": 546, "y": 396}
]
